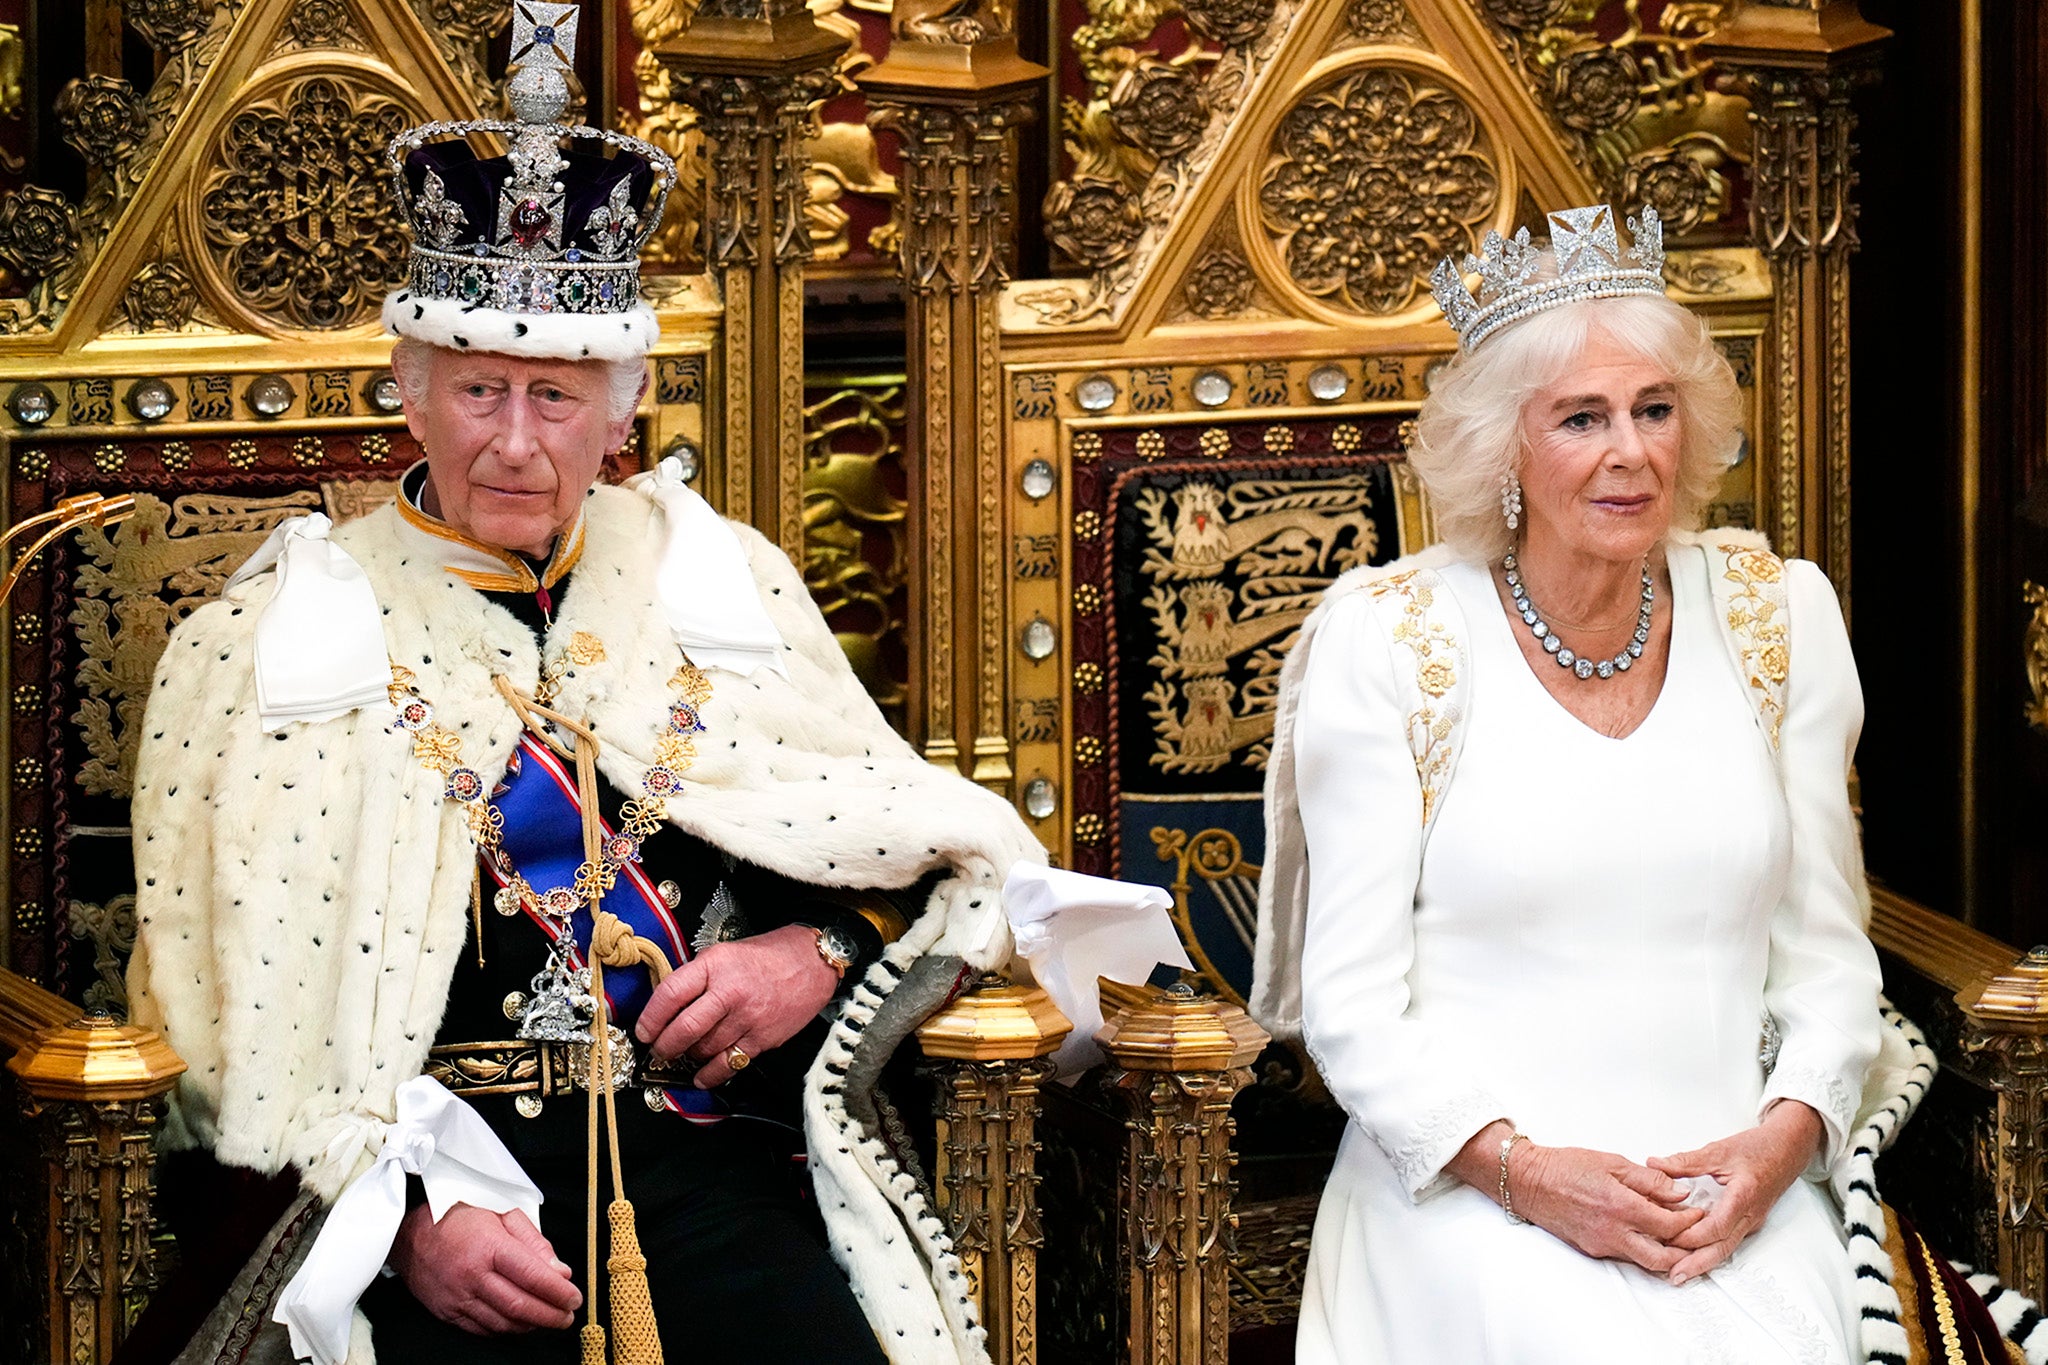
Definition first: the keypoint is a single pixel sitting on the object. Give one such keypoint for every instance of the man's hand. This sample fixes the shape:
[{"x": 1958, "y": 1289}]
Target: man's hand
[
  {"x": 488, "y": 1273},
  {"x": 1757, "y": 1165},
  {"x": 1603, "y": 1204},
  {"x": 754, "y": 993}
]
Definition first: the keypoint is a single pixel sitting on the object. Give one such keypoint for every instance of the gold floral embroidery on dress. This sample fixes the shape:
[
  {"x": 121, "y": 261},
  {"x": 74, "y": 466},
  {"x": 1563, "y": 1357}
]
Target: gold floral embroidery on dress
[
  {"x": 1436, "y": 651},
  {"x": 1757, "y": 622}
]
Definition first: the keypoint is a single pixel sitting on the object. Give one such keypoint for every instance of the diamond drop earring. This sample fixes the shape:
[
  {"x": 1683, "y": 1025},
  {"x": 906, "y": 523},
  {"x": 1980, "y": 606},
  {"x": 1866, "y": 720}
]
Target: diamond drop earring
[{"x": 1511, "y": 500}]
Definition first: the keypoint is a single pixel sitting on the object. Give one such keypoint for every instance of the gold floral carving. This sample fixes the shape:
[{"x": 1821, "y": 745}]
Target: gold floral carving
[
  {"x": 320, "y": 24},
  {"x": 144, "y": 576},
  {"x": 855, "y": 554},
  {"x": 1219, "y": 286},
  {"x": 1372, "y": 180},
  {"x": 294, "y": 208},
  {"x": 1228, "y": 21},
  {"x": 39, "y": 233},
  {"x": 1113, "y": 213},
  {"x": 1379, "y": 21},
  {"x": 1095, "y": 220},
  {"x": 51, "y": 241},
  {"x": 1636, "y": 102},
  {"x": 461, "y": 29},
  {"x": 101, "y": 117},
  {"x": 1233, "y": 573},
  {"x": 1160, "y": 107},
  {"x": 2034, "y": 651},
  {"x": 161, "y": 297}
]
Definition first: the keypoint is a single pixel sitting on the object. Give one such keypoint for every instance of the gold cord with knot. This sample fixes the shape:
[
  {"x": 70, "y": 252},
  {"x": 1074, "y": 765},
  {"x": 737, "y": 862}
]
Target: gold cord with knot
[{"x": 636, "y": 1338}]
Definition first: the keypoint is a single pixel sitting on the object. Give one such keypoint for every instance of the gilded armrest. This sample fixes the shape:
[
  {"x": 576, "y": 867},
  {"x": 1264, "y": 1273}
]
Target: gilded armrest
[
  {"x": 991, "y": 1051},
  {"x": 1986, "y": 1008},
  {"x": 90, "y": 1092}
]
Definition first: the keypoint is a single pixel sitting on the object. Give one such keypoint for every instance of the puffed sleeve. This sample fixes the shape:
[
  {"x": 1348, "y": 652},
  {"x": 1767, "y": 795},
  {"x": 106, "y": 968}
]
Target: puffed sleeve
[
  {"x": 1361, "y": 814},
  {"x": 1823, "y": 981}
]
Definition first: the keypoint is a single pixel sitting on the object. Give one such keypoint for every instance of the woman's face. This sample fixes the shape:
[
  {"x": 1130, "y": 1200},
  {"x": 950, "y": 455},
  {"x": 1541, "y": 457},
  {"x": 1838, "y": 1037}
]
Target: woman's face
[
  {"x": 513, "y": 445},
  {"x": 1600, "y": 456}
]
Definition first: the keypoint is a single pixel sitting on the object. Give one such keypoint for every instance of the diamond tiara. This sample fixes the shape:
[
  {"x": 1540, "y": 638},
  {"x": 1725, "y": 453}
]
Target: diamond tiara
[
  {"x": 547, "y": 228},
  {"x": 1591, "y": 264}
]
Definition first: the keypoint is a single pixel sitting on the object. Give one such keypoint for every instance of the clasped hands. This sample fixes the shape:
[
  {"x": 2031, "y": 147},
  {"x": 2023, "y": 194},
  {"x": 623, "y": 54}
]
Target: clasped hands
[
  {"x": 491, "y": 1273},
  {"x": 1610, "y": 1207}
]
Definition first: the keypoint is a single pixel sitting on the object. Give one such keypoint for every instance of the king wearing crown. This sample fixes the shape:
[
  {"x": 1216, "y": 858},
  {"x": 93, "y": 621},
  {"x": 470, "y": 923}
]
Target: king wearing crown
[{"x": 498, "y": 854}]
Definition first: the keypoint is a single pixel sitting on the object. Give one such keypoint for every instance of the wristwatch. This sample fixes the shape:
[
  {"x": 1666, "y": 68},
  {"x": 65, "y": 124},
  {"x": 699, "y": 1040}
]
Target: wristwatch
[{"x": 836, "y": 947}]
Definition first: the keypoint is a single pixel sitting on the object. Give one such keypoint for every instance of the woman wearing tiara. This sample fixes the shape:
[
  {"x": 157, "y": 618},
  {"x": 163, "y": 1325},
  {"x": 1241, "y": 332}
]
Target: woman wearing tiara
[{"x": 1538, "y": 990}]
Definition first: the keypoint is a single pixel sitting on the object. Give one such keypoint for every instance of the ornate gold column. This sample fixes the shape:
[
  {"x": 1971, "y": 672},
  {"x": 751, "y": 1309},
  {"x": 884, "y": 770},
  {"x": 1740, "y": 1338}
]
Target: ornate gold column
[
  {"x": 92, "y": 1091},
  {"x": 1799, "y": 61},
  {"x": 2007, "y": 1045},
  {"x": 1178, "y": 1060},
  {"x": 991, "y": 1053},
  {"x": 953, "y": 93},
  {"x": 755, "y": 70}
]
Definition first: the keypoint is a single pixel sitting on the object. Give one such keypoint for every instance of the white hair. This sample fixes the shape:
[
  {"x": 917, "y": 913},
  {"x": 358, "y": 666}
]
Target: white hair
[
  {"x": 1468, "y": 435},
  {"x": 411, "y": 360}
]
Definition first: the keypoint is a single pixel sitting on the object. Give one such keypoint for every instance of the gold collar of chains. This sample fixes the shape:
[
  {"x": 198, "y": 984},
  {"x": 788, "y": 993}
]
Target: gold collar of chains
[{"x": 675, "y": 750}]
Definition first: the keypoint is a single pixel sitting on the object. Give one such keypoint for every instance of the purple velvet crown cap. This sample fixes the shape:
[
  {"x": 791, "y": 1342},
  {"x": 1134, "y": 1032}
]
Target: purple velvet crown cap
[{"x": 473, "y": 184}]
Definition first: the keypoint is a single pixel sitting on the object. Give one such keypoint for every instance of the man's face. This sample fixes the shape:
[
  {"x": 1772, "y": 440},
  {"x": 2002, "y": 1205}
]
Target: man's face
[{"x": 512, "y": 445}]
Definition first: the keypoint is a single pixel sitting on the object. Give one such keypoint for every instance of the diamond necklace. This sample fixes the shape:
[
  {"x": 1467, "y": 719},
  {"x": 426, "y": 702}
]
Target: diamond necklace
[{"x": 1545, "y": 636}]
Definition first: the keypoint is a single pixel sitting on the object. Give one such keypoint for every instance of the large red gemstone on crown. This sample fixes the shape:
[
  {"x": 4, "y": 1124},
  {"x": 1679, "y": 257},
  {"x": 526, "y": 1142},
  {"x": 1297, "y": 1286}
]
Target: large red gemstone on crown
[{"x": 530, "y": 222}]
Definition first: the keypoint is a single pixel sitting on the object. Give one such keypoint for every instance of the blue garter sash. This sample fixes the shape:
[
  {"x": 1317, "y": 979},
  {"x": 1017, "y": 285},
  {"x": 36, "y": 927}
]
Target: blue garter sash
[{"x": 543, "y": 839}]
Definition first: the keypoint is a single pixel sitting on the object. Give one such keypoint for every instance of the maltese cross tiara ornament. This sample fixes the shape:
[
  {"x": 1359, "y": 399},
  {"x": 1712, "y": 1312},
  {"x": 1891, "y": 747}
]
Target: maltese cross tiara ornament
[
  {"x": 554, "y": 226},
  {"x": 1590, "y": 265}
]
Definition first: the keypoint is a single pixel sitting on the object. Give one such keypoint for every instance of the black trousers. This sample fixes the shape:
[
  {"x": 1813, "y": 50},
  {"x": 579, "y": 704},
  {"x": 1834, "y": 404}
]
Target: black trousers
[{"x": 736, "y": 1261}]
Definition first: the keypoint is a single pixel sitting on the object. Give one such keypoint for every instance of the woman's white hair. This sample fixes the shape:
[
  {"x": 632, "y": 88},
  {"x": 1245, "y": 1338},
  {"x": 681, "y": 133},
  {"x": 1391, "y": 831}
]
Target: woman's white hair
[
  {"x": 1468, "y": 435},
  {"x": 412, "y": 359}
]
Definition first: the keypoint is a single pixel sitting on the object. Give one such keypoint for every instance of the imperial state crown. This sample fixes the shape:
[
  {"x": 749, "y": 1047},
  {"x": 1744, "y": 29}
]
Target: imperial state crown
[{"x": 535, "y": 252}]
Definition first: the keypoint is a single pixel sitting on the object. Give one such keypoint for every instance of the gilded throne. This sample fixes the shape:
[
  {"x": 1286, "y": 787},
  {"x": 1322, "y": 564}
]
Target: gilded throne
[{"x": 1122, "y": 488}]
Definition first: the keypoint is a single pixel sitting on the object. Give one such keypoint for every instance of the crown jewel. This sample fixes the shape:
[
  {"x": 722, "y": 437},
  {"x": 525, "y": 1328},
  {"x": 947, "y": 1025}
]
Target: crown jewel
[
  {"x": 1591, "y": 264},
  {"x": 551, "y": 230}
]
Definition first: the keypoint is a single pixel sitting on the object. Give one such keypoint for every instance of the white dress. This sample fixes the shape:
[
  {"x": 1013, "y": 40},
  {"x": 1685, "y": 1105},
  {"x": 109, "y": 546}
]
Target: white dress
[{"x": 1588, "y": 948}]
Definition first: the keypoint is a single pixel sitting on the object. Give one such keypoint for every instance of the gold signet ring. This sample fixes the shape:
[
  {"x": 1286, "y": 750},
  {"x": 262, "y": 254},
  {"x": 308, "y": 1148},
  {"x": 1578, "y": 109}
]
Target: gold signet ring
[{"x": 736, "y": 1059}]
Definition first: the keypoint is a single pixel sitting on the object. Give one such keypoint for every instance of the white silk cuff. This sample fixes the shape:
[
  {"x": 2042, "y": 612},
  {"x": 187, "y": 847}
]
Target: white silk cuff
[
  {"x": 459, "y": 1160},
  {"x": 1075, "y": 929},
  {"x": 320, "y": 639},
  {"x": 704, "y": 582}
]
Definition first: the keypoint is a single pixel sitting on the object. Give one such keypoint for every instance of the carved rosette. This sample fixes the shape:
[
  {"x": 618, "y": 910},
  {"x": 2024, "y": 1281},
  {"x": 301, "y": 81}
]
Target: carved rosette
[
  {"x": 1228, "y": 21},
  {"x": 1685, "y": 188},
  {"x": 1095, "y": 221},
  {"x": 1595, "y": 88},
  {"x": 1159, "y": 106},
  {"x": 38, "y": 232},
  {"x": 168, "y": 25},
  {"x": 296, "y": 210},
  {"x": 1219, "y": 286},
  {"x": 1378, "y": 21},
  {"x": 161, "y": 297},
  {"x": 102, "y": 118},
  {"x": 1371, "y": 181}
]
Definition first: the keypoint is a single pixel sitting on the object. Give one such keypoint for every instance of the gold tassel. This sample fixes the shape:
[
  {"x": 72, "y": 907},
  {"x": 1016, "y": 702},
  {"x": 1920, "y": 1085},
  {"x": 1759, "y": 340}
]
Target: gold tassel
[
  {"x": 638, "y": 1340},
  {"x": 636, "y": 1335}
]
